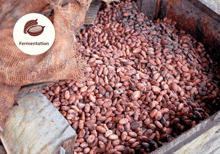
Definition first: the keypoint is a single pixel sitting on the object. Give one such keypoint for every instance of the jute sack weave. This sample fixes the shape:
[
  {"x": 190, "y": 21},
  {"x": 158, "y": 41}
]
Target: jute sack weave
[{"x": 17, "y": 69}]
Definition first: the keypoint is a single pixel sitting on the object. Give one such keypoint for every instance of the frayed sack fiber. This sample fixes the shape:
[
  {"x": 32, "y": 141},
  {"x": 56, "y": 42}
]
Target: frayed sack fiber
[{"x": 17, "y": 69}]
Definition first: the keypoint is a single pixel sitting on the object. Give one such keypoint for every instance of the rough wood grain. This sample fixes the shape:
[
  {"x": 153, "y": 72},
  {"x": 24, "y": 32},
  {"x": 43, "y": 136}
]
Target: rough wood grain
[
  {"x": 207, "y": 143},
  {"x": 203, "y": 138},
  {"x": 35, "y": 126},
  {"x": 149, "y": 8},
  {"x": 197, "y": 19},
  {"x": 213, "y": 5}
]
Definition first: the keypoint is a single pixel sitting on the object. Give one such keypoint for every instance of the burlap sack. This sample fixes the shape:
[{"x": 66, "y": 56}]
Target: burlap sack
[
  {"x": 78, "y": 21},
  {"x": 12, "y": 10},
  {"x": 18, "y": 69}
]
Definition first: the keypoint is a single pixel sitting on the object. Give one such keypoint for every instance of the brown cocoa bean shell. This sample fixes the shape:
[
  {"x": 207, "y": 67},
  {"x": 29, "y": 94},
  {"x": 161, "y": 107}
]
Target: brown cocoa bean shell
[
  {"x": 135, "y": 144},
  {"x": 113, "y": 137},
  {"x": 100, "y": 129},
  {"x": 103, "y": 139},
  {"x": 120, "y": 147},
  {"x": 132, "y": 134},
  {"x": 84, "y": 145},
  {"x": 86, "y": 150},
  {"x": 124, "y": 136},
  {"x": 90, "y": 139},
  {"x": 153, "y": 113},
  {"x": 81, "y": 124},
  {"x": 123, "y": 121},
  {"x": 101, "y": 145},
  {"x": 158, "y": 124},
  {"x": 116, "y": 142},
  {"x": 158, "y": 116},
  {"x": 135, "y": 95}
]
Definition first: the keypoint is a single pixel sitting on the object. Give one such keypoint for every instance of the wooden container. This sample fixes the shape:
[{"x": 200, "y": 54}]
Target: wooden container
[{"x": 201, "y": 19}]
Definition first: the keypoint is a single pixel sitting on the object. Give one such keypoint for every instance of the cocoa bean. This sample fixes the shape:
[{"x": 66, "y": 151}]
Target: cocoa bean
[
  {"x": 100, "y": 129},
  {"x": 113, "y": 137},
  {"x": 153, "y": 113},
  {"x": 135, "y": 95},
  {"x": 108, "y": 133},
  {"x": 123, "y": 121},
  {"x": 90, "y": 139}
]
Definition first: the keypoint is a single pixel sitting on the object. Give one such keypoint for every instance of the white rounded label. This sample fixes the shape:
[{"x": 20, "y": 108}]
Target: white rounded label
[{"x": 34, "y": 34}]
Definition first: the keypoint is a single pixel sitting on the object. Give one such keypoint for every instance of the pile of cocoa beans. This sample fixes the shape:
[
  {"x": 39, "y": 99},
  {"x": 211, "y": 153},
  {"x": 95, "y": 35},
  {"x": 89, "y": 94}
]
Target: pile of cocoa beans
[{"x": 146, "y": 83}]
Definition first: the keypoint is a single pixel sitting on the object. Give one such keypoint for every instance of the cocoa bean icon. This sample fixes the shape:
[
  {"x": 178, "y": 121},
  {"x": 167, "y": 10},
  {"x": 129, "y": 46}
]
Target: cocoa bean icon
[
  {"x": 32, "y": 28},
  {"x": 35, "y": 30},
  {"x": 29, "y": 24}
]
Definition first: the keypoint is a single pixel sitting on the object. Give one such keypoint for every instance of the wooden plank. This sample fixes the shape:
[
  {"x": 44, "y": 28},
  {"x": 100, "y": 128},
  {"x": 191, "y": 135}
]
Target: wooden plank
[
  {"x": 34, "y": 87},
  {"x": 90, "y": 15},
  {"x": 207, "y": 143},
  {"x": 92, "y": 12},
  {"x": 203, "y": 138},
  {"x": 149, "y": 8},
  {"x": 198, "y": 20},
  {"x": 2, "y": 150},
  {"x": 213, "y": 5},
  {"x": 163, "y": 9},
  {"x": 35, "y": 126}
]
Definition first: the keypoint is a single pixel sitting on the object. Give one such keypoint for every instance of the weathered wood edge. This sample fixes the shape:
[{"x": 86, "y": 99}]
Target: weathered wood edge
[
  {"x": 189, "y": 135},
  {"x": 33, "y": 87}
]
